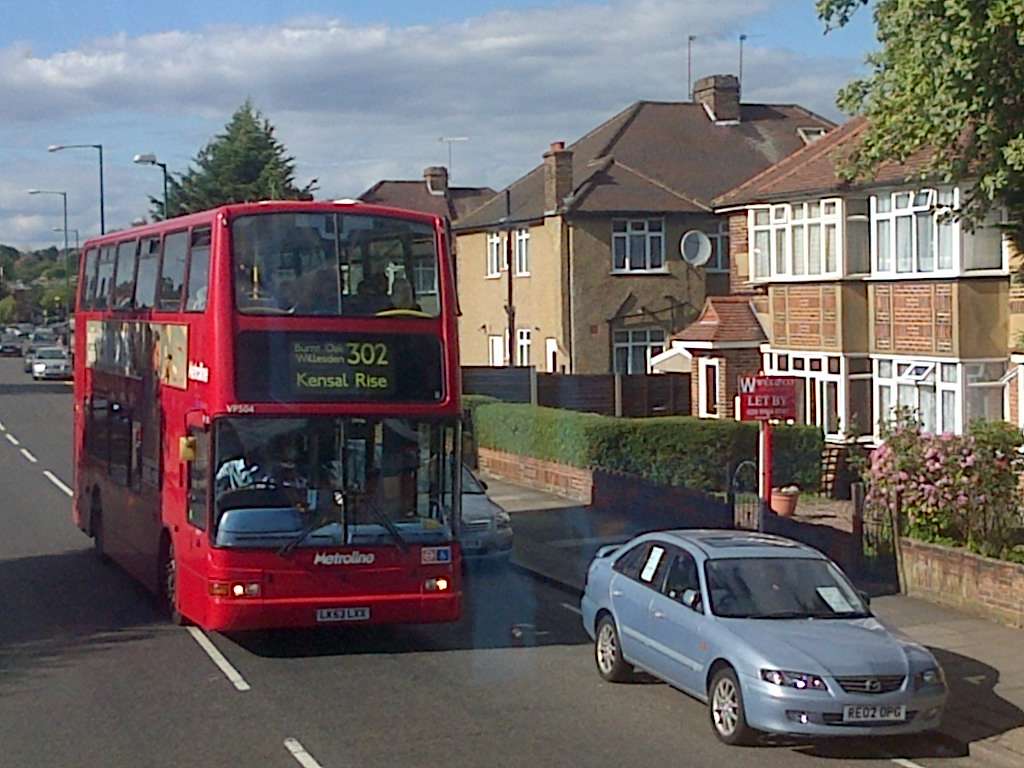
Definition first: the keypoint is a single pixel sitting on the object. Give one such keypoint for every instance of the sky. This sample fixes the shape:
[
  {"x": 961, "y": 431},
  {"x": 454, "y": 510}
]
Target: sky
[{"x": 360, "y": 91}]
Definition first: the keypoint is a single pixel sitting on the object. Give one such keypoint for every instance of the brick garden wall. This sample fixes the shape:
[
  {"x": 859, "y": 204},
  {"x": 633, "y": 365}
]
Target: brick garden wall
[
  {"x": 561, "y": 479},
  {"x": 955, "y": 577}
]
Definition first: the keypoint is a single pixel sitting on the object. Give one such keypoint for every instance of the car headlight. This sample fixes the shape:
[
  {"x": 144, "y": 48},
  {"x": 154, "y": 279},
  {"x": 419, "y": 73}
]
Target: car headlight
[
  {"x": 503, "y": 520},
  {"x": 800, "y": 680},
  {"x": 933, "y": 676}
]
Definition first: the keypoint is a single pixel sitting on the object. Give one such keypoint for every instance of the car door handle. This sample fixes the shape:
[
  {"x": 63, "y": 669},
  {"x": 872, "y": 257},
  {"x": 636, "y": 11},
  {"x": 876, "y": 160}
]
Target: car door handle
[
  {"x": 658, "y": 614},
  {"x": 616, "y": 593}
]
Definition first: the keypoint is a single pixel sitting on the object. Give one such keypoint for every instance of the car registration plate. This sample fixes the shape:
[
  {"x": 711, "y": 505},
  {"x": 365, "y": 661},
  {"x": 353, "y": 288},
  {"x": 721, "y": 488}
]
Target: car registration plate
[
  {"x": 342, "y": 614},
  {"x": 471, "y": 545},
  {"x": 874, "y": 713}
]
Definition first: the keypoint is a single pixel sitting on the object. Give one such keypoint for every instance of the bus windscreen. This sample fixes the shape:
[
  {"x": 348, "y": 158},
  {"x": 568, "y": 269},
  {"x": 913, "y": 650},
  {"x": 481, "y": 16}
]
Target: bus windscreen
[{"x": 331, "y": 264}]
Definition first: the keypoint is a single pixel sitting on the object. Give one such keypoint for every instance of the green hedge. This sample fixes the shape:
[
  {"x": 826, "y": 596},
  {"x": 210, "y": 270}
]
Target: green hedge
[{"x": 671, "y": 450}]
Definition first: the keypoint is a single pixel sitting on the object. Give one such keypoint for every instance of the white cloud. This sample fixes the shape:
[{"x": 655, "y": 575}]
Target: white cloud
[{"x": 355, "y": 103}]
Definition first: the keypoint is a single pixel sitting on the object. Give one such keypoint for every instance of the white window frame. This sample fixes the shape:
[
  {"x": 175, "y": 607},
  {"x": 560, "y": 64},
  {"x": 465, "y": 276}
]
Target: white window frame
[
  {"x": 653, "y": 232},
  {"x": 703, "y": 363},
  {"x": 936, "y": 202},
  {"x": 524, "y": 340},
  {"x": 636, "y": 338},
  {"x": 424, "y": 277},
  {"x": 783, "y": 263},
  {"x": 908, "y": 376},
  {"x": 496, "y": 361},
  {"x": 819, "y": 380},
  {"x": 522, "y": 247},
  {"x": 494, "y": 255},
  {"x": 720, "y": 257}
]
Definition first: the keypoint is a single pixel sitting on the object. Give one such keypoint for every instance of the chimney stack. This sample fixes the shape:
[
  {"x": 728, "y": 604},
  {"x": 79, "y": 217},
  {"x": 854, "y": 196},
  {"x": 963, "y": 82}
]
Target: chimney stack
[
  {"x": 557, "y": 176},
  {"x": 720, "y": 96},
  {"x": 436, "y": 177}
]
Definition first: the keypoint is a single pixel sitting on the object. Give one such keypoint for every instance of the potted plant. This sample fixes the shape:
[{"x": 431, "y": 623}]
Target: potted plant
[{"x": 784, "y": 500}]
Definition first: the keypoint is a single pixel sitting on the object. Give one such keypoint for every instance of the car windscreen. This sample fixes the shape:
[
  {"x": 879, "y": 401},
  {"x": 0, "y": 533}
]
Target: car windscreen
[
  {"x": 470, "y": 484},
  {"x": 780, "y": 588},
  {"x": 50, "y": 354}
]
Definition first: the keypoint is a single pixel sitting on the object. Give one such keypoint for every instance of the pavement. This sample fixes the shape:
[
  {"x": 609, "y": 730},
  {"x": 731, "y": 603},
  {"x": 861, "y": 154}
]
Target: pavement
[
  {"x": 983, "y": 661},
  {"x": 90, "y": 675}
]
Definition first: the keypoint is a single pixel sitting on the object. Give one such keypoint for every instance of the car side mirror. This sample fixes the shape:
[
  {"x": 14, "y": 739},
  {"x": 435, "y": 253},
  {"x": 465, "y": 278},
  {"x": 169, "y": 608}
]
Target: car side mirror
[
  {"x": 865, "y": 597},
  {"x": 483, "y": 484}
]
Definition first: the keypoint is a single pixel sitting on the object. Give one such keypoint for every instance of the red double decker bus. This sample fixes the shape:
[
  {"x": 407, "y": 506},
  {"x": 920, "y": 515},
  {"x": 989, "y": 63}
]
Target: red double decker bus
[{"x": 267, "y": 405}]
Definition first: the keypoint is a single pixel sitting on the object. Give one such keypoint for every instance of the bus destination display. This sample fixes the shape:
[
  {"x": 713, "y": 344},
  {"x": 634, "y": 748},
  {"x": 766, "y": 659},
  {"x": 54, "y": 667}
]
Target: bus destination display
[
  {"x": 326, "y": 368},
  {"x": 329, "y": 367}
]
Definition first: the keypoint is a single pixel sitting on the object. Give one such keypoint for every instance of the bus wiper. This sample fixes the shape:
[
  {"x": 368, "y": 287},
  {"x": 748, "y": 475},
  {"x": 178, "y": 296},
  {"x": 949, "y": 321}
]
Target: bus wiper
[
  {"x": 388, "y": 523},
  {"x": 317, "y": 519}
]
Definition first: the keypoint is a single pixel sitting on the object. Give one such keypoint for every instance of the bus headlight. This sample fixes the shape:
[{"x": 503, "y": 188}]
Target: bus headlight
[
  {"x": 436, "y": 585},
  {"x": 237, "y": 589}
]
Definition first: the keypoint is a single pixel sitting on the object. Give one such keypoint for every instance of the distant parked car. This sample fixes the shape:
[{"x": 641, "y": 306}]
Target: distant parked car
[
  {"x": 486, "y": 527},
  {"x": 769, "y": 632},
  {"x": 9, "y": 347},
  {"x": 51, "y": 363}
]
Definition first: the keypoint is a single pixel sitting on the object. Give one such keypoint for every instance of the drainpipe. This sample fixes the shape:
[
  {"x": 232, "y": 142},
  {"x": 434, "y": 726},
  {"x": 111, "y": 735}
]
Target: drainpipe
[
  {"x": 510, "y": 307},
  {"x": 572, "y": 305}
]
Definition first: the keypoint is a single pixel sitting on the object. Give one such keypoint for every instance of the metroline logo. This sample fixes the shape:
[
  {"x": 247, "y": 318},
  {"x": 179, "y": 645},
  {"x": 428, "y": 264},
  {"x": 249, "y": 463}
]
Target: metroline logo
[{"x": 344, "y": 558}]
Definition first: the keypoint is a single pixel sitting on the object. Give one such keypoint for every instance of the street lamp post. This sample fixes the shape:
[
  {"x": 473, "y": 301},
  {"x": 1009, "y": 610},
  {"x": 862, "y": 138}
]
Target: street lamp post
[
  {"x": 67, "y": 260},
  {"x": 149, "y": 158},
  {"x": 64, "y": 197},
  {"x": 99, "y": 147}
]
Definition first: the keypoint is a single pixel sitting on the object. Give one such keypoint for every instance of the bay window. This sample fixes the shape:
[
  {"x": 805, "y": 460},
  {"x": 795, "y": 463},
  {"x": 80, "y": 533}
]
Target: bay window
[
  {"x": 945, "y": 396},
  {"x": 914, "y": 232},
  {"x": 802, "y": 240}
]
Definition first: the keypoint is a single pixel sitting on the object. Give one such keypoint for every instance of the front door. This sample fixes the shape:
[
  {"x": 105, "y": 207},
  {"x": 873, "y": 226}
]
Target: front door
[
  {"x": 192, "y": 542},
  {"x": 676, "y": 624}
]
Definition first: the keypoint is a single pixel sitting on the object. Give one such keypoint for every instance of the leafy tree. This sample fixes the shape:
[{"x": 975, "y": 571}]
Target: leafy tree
[
  {"x": 947, "y": 78},
  {"x": 244, "y": 163},
  {"x": 8, "y": 310}
]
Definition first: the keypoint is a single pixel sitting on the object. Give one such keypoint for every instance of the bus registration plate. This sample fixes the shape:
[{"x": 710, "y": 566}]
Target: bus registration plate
[{"x": 342, "y": 614}]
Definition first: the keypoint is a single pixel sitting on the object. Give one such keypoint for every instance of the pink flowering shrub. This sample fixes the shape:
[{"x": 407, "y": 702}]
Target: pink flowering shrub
[{"x": 962, "y": 490}]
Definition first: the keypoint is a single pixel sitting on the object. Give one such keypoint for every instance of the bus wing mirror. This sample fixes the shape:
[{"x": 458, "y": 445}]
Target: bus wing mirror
[{"x": 187, "y": 448}]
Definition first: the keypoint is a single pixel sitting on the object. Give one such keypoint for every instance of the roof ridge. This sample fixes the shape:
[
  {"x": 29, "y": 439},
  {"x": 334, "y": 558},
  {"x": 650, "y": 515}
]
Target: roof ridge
[
  {"x": 634, "y": 110},
  {"x": 663, "y": 185}
]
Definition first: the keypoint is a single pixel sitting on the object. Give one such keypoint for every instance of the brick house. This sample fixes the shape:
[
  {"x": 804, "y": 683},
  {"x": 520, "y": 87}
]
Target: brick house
[
  {"x": 598, "y": 246},
  {"x": 873, "y": 294}
]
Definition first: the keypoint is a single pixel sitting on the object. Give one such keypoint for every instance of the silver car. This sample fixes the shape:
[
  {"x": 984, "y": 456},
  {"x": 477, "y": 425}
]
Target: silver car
[
  {"x": 51, "y": 363},
  {"x": 486, "y": 527},
  {"x": 767, "y": 631}
]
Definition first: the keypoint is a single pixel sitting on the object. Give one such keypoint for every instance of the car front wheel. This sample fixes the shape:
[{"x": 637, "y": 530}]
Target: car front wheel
[
  {"x": 725, "y": 705},
  {"x": 608, "y": 653}
]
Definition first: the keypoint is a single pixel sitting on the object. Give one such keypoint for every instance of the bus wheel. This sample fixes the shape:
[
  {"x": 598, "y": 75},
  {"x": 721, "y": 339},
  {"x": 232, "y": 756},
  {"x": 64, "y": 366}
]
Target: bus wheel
[
  {"x": 169, "y": 584},
  {"x": 96, "y": 524}
]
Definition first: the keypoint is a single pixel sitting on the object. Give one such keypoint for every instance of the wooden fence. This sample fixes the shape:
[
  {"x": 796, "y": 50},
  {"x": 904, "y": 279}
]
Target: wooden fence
[{"x": 639, "y": 395}]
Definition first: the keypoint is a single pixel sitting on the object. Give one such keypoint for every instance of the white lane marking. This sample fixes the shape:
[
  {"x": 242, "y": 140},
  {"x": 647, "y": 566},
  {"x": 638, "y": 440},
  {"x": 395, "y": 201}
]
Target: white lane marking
[
  {"x": 302, "y": 757},
  {"x": 218, "y": 658},
  {"x": 28, "y": 455},
  {"x": 58, "y": 482},
  {"x": 2, "y": 427},
  {"x": 572, "y": 608},
  {"x": 11, "y": 439},
  {"x": 902, "y": 761}
]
